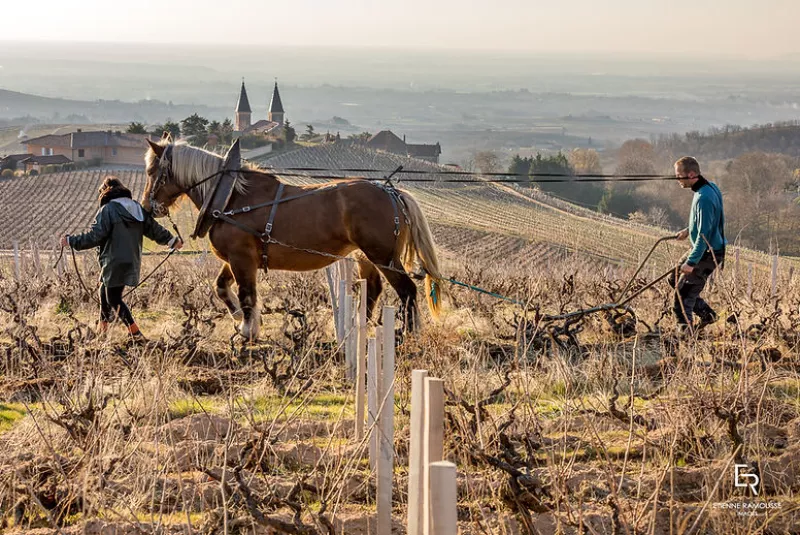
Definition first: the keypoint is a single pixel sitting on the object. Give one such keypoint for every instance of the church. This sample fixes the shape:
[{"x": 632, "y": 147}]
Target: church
[{"x": 272, "y": 125}]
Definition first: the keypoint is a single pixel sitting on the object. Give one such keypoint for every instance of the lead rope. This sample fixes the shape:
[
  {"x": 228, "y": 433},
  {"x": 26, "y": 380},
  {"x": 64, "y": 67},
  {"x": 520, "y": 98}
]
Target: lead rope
[
  {"x": 80, "y": 279},
  {"x": 163, "y": 261},
  {"x": 126, "y": 294}
]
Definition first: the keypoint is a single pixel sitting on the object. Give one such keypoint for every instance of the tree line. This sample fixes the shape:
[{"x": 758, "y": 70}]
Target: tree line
[
  {"x": 197, "y": 130},
  {"x": 761, "y": 189}
]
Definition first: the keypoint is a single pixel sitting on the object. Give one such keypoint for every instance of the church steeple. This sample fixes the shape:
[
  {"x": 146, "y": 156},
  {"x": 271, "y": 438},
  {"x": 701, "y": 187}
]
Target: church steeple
[
  {"x": 275, "y": 106},
  {"x": 243, "y": 112}
]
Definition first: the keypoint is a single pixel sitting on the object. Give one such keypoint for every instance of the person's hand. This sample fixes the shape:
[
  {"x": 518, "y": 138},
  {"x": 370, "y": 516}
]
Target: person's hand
[
  {"x": 682, "y": 235},
  {"x": 687, "y": 269},
  {"x": 178, "y": 245},
  {"x": 64, "y": 241}
]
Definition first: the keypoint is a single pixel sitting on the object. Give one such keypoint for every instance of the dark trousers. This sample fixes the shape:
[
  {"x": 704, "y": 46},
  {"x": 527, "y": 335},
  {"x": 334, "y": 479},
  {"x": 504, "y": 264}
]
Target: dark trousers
[
  {"x": 687, "y": 299},
  {"x": 111, "y": 305}
]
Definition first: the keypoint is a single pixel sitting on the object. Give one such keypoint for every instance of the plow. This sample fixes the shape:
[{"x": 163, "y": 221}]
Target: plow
[{"x": 558, "y": 325}]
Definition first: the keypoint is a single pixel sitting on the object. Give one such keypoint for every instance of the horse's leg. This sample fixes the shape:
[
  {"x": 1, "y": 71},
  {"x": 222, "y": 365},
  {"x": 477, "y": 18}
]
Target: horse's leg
[
  {"x": 245, "y": 269},
  {"x": 407, "y": 292},
  {"x": 368, "y": 271},
  {"x": 224, "y": 280}
]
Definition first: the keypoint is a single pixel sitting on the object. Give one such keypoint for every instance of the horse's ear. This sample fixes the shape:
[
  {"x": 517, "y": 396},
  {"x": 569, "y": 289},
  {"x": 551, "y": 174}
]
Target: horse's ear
[
  {"x": 166, "y": 136},
  {"x": 232, "y": 161},
  {"x": 158, "y": 149}
]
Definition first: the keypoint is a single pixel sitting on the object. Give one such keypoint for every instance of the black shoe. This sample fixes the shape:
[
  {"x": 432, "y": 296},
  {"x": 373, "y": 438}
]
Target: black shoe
[
  {"x": 683, "y": 331},
  {"x": 707, "y": 319},
  {"x": 137, "y": 338}
]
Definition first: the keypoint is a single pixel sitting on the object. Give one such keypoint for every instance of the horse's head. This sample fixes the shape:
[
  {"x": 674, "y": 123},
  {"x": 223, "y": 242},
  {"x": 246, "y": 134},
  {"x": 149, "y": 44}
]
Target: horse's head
[{"x": 162, "y": 190}]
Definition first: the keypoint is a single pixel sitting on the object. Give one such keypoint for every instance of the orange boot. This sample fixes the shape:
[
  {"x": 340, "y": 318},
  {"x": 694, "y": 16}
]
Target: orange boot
[{"x": 135, "y": 333}]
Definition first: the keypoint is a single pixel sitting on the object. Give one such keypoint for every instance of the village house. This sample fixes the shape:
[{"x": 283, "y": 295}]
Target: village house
[
  {"x": 387, "y": 141},
  {"x": 12, "y": 161},
  {"x": 101, "y": 147},
  {"x": 36, "y": 163}
]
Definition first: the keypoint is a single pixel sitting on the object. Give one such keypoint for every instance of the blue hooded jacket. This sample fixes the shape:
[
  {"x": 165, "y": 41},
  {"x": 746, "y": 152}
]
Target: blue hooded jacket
[{"x": 706, "y": 220}]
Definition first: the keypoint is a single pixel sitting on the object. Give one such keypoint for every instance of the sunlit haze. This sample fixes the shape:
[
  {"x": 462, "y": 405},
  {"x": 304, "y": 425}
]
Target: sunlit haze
[{"x": 700, "y": 28}]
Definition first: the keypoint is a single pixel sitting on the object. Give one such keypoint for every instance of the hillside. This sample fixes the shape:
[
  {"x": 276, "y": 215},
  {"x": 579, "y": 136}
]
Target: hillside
[
  {"x": 511, "y": 228},
  {"x": 593, "y": 424},
  {"x": 731, "y": 141},
  {"x": 19, "y": 106}
]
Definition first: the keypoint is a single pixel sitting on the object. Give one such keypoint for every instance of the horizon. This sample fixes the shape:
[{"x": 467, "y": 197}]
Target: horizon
[{"x": 612, "y": 56}]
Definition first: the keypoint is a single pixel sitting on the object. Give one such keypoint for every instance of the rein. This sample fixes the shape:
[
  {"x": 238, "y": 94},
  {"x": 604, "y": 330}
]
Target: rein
[{"x": 133, "y": 288}]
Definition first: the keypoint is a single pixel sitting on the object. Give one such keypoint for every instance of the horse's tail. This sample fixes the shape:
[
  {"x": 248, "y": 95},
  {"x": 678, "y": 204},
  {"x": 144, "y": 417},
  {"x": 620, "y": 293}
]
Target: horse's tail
[{"x": 421, "y": 246}]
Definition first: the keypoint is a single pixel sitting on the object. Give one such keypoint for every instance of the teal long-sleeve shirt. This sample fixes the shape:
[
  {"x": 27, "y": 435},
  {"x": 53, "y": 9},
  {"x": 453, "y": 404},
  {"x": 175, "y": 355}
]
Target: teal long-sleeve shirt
[{"x": 706, "y": 220}]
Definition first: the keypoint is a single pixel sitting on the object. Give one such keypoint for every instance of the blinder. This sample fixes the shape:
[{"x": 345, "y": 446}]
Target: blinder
[{"x": 163, "y": 174}]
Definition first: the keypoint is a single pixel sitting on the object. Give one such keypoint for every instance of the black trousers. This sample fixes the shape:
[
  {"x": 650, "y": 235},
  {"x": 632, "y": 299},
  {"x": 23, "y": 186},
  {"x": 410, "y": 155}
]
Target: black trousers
[
  {"x": 687, "y": 299},
  {"x": 111, "y": 305}
]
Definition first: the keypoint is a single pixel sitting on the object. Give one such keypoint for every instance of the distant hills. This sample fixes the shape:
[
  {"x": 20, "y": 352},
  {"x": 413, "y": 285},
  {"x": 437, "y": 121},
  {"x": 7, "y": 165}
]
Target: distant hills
[
  {"x": 20, "y": 106},
  {"x": 731, "y": 141}
]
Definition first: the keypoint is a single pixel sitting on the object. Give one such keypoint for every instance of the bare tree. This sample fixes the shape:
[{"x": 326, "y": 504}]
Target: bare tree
[
  {"x": 585, "y": 161},
  {"x": 487, "y": 161}
]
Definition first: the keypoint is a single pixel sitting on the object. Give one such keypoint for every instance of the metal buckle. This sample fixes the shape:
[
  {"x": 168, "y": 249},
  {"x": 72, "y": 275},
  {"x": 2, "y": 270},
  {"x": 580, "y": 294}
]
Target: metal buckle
[
  {"x": 215, "y": 214},
  {"x": 268, "y": 228},
  {"x": 246, "y": 209}
]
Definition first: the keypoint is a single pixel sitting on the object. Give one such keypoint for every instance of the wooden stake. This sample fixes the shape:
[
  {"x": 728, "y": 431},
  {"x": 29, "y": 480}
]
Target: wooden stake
[
  {"x": 17, "y": 268},
  {"x": 774, "y": 283},
  {"x": 373, "y": 375},
  {"x": 333, "y": 287},
  {"x": 349, "y": 336},
  {"x": 347, "y": 266},
  {"x": 386, "y": 455},
  {"x": 37, "y": 264},
  {"x": 434, "y": 439},
  {"x": 416, "y": 494},
  {"x": 341, "y": 328},
  {"x": 361, "y": 351},
  {"x": 444, "y": 498}
]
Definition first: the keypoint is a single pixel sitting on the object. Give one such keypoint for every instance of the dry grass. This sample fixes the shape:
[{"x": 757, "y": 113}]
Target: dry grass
[{"x": 597, "y": 427}]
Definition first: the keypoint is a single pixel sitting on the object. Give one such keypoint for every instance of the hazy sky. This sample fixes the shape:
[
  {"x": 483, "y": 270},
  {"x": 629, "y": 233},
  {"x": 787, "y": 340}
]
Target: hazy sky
[{"x": 738, "y": 28}]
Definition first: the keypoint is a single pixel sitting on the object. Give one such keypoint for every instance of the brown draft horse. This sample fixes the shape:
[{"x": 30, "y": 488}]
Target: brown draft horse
[{"x": 355, "y": 215}]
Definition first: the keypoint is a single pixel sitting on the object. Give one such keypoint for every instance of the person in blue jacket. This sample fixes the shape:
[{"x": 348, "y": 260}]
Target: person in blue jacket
[{"x": 706, "y": 233}]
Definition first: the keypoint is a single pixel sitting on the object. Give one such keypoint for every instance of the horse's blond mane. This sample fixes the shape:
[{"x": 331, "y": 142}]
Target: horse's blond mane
[{"x": 190, "y": 165}]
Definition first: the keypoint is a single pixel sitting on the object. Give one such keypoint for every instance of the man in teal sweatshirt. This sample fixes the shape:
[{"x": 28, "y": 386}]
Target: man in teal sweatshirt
[{"x": 706, "y": 233}]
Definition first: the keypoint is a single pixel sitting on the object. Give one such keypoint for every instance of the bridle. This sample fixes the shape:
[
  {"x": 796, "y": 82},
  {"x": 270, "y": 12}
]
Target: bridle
[{"x": 164, "y": 173}]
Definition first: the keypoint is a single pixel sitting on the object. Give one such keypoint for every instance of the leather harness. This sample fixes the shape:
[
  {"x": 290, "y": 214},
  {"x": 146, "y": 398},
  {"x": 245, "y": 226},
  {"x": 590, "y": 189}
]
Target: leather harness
[{"x": 204, "y": 224}]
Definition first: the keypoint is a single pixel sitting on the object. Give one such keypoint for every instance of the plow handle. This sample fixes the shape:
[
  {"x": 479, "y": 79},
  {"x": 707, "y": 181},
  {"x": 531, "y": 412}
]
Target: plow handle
[{"x": 641, "y": 265}]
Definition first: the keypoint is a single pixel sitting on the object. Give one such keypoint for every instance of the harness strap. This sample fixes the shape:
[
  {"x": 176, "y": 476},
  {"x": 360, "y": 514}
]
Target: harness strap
[
  {"x": 245, "y": 209},
  {"x": 219, "y": 215},
  {"x": 394, "y": 196},
  {"x": 268, "y": 228}
]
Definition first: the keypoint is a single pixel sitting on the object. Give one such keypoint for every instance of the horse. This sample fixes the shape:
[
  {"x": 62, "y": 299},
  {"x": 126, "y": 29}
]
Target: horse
[{"x": 311, "y": 227}]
